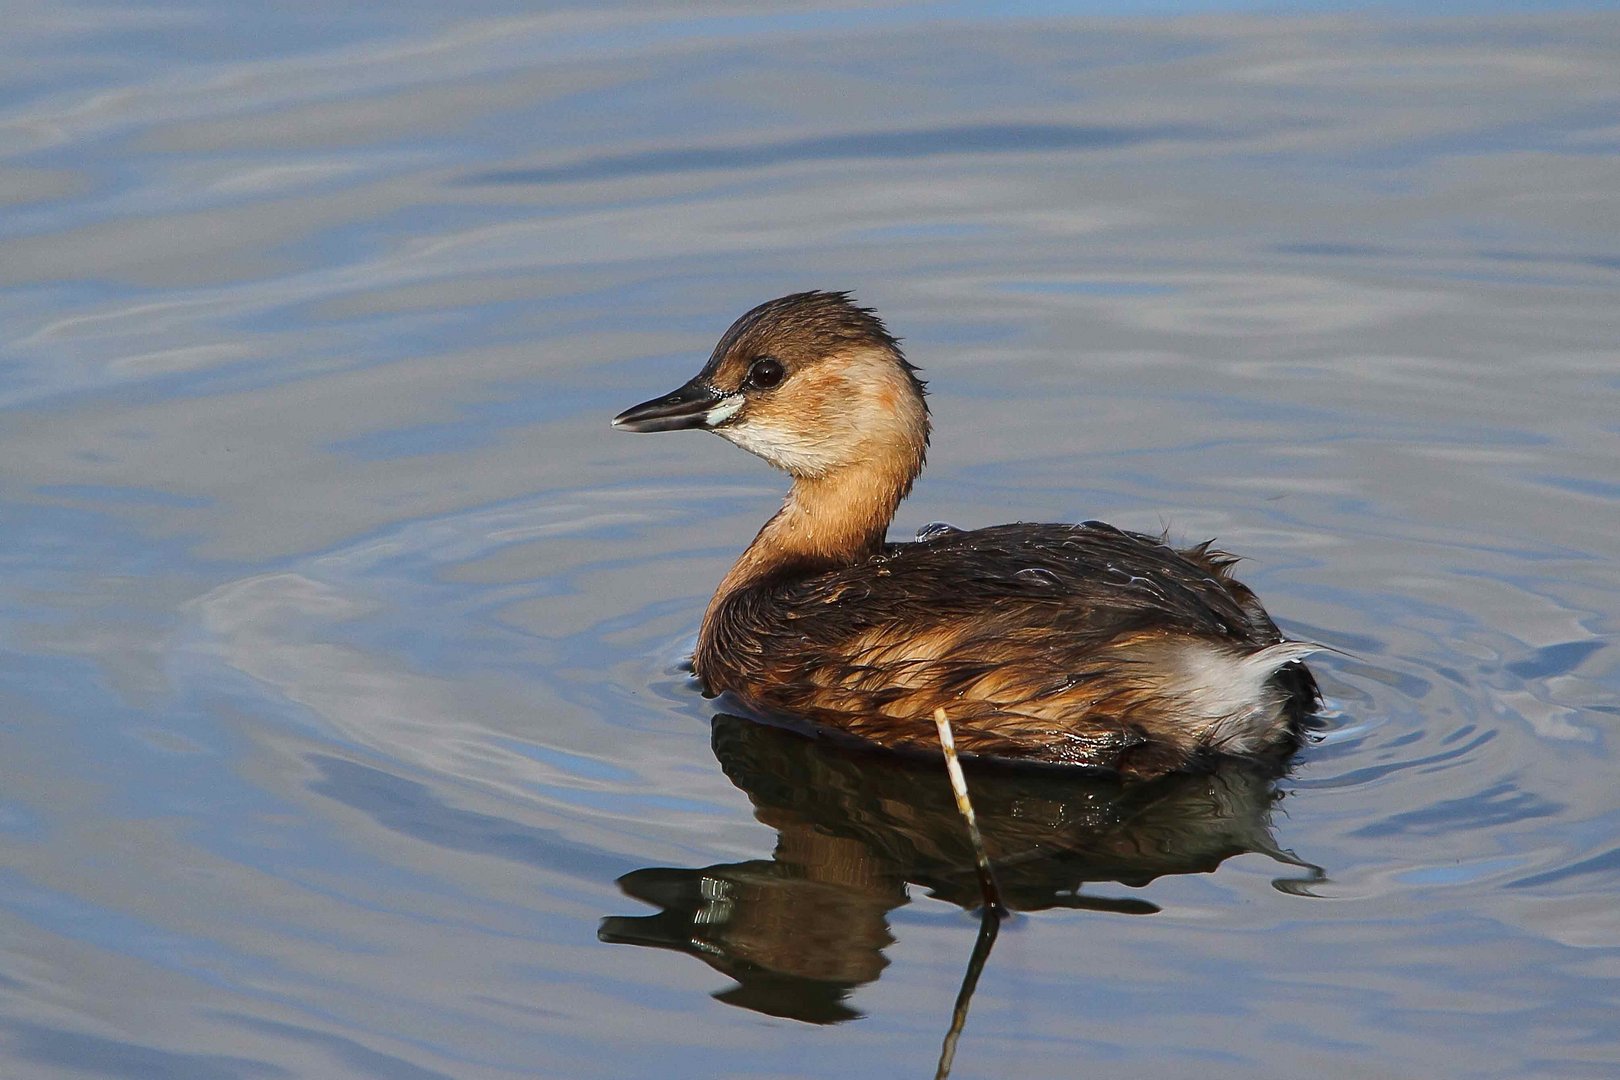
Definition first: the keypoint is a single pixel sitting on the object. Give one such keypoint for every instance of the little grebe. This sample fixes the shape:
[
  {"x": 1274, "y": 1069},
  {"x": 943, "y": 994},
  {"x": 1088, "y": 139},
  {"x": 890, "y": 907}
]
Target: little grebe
[{"x": 1069, "y": 644}]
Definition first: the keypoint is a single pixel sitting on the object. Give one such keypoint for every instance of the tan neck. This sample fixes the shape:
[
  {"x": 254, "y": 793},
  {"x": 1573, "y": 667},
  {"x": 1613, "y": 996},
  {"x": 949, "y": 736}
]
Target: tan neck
[{"x": 826, "y": 522}]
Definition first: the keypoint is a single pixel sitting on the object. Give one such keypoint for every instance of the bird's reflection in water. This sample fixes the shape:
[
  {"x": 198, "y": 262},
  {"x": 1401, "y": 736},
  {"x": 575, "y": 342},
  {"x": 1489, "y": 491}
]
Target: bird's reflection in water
[{"x": 800, "y": 930}]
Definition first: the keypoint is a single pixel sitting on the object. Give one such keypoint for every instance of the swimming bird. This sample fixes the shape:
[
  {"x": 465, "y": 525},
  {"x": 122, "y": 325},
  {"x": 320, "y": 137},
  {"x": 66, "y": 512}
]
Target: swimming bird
[{"x": 1063, "y": 644}]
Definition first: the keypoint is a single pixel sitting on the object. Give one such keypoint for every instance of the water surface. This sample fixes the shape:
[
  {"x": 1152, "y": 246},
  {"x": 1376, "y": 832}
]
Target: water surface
[{"x": 346, "y": 731}]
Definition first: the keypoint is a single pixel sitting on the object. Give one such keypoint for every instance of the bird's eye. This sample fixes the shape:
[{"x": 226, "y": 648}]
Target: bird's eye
[{"x": 765, "y": 373}]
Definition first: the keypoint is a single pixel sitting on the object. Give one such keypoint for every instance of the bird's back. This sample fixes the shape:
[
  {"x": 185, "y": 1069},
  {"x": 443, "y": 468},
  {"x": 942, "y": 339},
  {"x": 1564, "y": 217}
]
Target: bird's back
[{"x": 1075, "y": 644}]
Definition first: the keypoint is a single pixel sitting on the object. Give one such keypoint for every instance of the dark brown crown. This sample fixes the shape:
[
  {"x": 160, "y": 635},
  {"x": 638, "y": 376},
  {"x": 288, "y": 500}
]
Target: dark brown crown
[{"x": 801, "y": 329}]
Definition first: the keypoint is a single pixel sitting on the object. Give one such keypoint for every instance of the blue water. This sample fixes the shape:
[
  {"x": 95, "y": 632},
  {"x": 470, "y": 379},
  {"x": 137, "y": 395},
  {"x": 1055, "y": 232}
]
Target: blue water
[{"x": 345, "y": 732}]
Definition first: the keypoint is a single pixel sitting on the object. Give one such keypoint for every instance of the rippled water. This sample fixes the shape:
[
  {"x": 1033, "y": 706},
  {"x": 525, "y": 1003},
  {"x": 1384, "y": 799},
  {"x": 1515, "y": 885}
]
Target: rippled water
[{"x": 345, "y": 729}]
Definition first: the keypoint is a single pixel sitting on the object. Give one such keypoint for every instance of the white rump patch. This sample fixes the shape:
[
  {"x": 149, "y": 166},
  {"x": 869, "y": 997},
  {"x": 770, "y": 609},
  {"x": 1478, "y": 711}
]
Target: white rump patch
[{"x": 1226, "y": 694}]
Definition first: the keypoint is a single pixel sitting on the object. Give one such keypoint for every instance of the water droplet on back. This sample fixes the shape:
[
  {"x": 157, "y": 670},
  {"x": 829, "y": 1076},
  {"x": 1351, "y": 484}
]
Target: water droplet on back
[{"x": 936, "y": 529}]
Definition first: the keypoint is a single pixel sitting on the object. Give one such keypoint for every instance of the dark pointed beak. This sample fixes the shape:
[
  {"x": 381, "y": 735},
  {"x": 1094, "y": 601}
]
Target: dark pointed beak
[{"x": 687, "y": 407}]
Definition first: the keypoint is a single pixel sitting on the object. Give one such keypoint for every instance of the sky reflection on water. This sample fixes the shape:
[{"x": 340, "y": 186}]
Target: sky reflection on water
[{"x": 341, "y": 639}]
